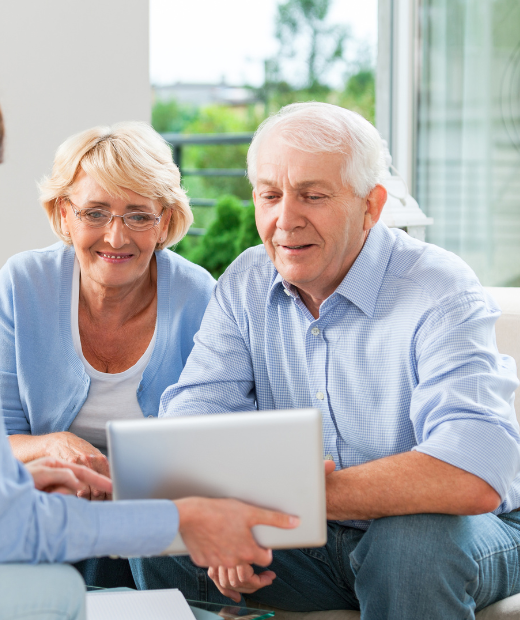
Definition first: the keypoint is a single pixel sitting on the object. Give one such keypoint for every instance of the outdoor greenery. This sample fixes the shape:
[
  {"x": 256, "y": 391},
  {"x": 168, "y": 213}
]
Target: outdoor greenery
[
  {"x": 309, "y": 48},
  {"x": 232, "y": 231}
]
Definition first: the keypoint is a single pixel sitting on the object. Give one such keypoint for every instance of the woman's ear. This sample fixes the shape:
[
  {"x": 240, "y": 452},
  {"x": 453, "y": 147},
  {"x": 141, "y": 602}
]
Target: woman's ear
[{"x": 61, "y": 204}]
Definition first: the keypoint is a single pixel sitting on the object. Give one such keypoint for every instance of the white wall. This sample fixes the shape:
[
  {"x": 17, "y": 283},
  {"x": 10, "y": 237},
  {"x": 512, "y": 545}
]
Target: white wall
[{"x": 65, "y": 66}]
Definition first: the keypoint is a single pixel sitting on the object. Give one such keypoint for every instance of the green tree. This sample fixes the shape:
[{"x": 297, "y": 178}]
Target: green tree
[
  {"x": 360, "y": 94},
  {"x": 302, "y": 28},
  {"x": 220, "y": 119},
  {"x": 232, "y": 231},
  {"x": 171, "y": 116}
]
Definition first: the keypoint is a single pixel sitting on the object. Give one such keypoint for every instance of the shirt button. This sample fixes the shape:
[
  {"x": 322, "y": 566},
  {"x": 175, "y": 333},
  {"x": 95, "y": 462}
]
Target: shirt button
[
  {"x": 315, "y": 331},
  {"x": 151, "y": 416},
  {"x": 319, "y": 395},
  {"x": 287, "y": 292}
]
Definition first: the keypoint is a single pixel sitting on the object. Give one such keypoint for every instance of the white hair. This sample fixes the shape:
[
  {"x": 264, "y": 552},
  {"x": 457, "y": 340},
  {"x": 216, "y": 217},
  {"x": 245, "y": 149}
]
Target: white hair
[{"x": 316, "y": 127}]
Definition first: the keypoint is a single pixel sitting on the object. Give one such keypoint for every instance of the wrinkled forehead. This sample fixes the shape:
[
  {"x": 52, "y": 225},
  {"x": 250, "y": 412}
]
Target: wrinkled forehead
[{"x": 281, "y": 163}]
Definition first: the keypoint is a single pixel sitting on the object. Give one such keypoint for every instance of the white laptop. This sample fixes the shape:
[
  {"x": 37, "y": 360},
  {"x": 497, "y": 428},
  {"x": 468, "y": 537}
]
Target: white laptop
[{"x": 273, "y": 459}]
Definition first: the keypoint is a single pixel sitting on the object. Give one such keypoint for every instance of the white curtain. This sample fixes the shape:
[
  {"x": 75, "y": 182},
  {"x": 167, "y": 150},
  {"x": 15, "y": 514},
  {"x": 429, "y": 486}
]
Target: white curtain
[{"x": 468, "y": 132}]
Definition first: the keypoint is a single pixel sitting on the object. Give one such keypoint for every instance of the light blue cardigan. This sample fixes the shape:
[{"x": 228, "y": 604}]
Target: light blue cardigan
[{"x": 43, "y": 383}]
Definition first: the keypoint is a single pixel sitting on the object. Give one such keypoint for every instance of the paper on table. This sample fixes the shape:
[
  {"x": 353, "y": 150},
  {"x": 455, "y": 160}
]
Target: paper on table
[{"x": 138, "y": 605}]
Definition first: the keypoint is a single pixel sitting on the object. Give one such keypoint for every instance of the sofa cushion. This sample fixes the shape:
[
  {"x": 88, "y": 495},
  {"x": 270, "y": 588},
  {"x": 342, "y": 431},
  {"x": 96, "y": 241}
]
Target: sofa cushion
[
  {"x": 508, "y": 609},
  {"x": 508, "y": 327}
]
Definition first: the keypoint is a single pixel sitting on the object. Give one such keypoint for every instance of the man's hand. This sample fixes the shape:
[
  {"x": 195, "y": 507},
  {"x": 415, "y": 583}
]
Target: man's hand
[
  {"x": 217, "y": 532},
  {"x": 241, "y": 579},
  {"x": 232, "y": 582},
  {"x": 54, "y": 475}
]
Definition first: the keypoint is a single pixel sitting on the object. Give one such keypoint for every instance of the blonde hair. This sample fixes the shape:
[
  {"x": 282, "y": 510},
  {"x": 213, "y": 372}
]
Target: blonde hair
[{"x": 129, "y": 156}]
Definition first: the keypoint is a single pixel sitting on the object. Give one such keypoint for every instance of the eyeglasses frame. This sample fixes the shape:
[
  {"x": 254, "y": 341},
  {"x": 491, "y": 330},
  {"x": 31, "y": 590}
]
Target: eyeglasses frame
[{"x": 77, "y": 212}]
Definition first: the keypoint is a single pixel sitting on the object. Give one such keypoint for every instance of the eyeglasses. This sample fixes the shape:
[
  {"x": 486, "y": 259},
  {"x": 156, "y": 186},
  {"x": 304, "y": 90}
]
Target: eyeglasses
[{"x": 99, "y": 218}]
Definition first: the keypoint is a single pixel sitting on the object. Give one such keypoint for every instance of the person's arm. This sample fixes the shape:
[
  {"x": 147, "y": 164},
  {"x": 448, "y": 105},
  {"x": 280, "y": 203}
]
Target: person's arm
[
  {"x": 38, "y": 527},
  {"x": 218, "y": 376},
  {"x": 468, "y": 445}
]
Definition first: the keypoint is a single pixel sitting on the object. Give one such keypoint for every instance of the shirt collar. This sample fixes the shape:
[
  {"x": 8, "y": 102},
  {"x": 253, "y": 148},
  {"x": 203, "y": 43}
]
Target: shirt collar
[{"x": 362, "y": 283}]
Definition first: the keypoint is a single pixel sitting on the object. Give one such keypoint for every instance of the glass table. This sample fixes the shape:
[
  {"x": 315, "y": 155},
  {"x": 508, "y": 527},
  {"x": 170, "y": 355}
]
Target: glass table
[{"x": 211, "y": 611}]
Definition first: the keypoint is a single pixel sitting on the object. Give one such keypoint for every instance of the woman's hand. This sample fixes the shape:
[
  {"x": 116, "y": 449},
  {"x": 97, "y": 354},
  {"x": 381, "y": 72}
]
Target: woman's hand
[
  {"x": 217, "y": 532},
  {"x": 66, "y": 447},
  {"x": 233, "y": 582},
  {"x": 53, "y": 475}
]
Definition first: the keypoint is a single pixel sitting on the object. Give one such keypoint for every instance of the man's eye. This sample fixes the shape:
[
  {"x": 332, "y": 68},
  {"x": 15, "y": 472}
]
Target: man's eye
[{"x": 314, "y": 197}]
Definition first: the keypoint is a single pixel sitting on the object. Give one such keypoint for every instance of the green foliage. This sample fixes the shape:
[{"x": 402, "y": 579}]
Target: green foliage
[
  {"x": 232, "y": 231},
  {"x": 170, "y": 116},
  {"x": 360, "y": 94},
  {"x": 302, "y": 24},
  {"x": 220, "y": 119}
]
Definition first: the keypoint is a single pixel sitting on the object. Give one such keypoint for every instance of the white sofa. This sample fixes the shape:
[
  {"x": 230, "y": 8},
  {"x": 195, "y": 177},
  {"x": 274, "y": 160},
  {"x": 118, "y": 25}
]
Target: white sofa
[{"x": 508, "y": 341}]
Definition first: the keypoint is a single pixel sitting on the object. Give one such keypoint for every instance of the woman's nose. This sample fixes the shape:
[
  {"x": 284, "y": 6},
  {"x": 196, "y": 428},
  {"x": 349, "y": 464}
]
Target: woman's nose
[{"x": 116, "y": 232}]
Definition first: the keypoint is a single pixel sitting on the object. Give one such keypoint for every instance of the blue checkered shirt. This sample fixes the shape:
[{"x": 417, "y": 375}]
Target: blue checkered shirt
[{"x": 402, "y": 357}]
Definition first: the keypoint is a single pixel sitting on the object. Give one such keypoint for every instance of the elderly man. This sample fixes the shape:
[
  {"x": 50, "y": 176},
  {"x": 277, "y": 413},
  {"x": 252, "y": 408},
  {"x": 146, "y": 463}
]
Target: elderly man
[{"x": 393, "y": 340}]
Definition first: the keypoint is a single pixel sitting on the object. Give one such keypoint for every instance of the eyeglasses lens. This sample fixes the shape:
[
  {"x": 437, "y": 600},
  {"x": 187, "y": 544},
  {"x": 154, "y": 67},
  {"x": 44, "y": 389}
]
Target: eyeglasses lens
[{"x": 97, "y": 218}]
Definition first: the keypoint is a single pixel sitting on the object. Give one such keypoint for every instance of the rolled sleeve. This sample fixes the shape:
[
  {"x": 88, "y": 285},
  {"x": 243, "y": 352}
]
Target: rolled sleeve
[{"x": 463, "y": 405}]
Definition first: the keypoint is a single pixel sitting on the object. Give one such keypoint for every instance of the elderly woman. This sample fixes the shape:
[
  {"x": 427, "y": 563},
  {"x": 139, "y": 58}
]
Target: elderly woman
[{"x": 96, "y": 327}]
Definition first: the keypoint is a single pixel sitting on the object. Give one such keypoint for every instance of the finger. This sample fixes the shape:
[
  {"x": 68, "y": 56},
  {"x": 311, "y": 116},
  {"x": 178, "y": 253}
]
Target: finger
[
  {"x": 223, "y": 577},
  {"x": 91, "y": 478},
  {"x": 233, "y": 578},
  {"x": 266, "y": 578},
  {"x": 97, "y": 496},
  {"x": 49, "y": 477},
  {"x": 99, "y": 463},
  {"x": 84, "y": 493},
  {"x": 244, "y": 572},
  {"x": 215, "y": 573},
  {"x": 330, "y": 466},
  {"x": 234, "y": 596},
  {"x": 262, "y": 557},
  {"x": 276, "y": 519}
]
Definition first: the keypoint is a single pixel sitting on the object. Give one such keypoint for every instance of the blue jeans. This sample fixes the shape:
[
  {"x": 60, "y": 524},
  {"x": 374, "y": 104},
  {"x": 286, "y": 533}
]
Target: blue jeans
[
  {"x": 106, "y": 572},
  {"x": 43, "y": 592},
  {"x": 402, "y": 568}
]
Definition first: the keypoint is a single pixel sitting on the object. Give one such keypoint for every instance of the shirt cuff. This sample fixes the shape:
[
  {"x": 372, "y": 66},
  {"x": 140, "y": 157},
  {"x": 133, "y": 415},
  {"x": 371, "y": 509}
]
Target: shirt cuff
[
  {"x": 135, "y": 528},
  {"x": 484, "y": 449}
]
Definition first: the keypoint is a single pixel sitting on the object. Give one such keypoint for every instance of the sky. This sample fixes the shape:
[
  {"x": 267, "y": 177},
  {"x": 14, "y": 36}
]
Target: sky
[{"x": 207, "y": 41}]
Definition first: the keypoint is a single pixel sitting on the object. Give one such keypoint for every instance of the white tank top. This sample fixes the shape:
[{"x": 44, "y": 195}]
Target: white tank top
[{"x": 111, "y": 396}]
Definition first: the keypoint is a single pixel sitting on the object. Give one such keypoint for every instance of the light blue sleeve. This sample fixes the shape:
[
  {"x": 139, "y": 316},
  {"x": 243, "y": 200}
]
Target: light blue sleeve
[
  {"x": 463, "y": 406},
  {"x": 10, "y": 403},
  {"x": 38, "y": 527},
  {"x": 218, "y": 376}
]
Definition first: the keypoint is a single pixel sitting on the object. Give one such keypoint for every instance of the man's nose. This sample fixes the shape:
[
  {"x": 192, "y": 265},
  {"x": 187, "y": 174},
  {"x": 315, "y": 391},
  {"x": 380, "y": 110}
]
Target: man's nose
[
  {"x": 290, "y": 213},
  {"x": 116, "y": 233}
]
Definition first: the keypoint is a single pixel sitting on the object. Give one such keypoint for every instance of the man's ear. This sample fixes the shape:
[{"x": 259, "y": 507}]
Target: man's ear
[{"x": 375, "y": 201}]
